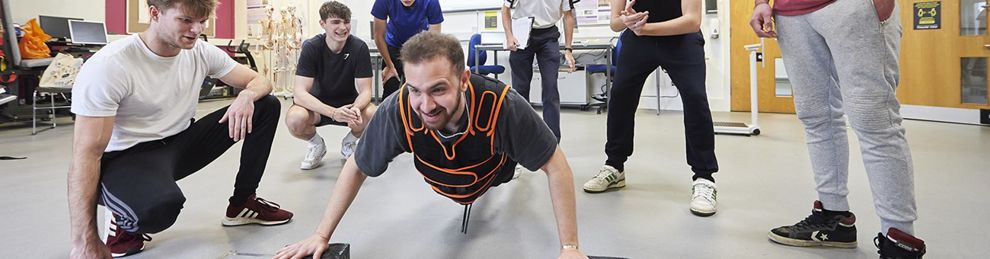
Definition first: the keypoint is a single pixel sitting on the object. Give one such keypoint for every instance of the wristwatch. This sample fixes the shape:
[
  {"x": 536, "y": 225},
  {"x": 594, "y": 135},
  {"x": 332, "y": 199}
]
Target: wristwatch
[
  {"x": 569, "y": 49},
  {"x": 569, "y": 246}
]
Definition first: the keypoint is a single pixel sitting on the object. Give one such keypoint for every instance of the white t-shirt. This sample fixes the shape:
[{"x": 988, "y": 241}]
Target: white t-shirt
[
  {"x": 545, "y": 13},
  {"x": 152, "y": 97}
]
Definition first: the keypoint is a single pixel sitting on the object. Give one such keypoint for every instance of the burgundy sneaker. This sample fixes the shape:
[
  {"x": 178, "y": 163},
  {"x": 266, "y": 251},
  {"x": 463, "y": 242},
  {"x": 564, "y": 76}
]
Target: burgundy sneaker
[
  {"x": 256, "y": 211},
  {"x": 899, "y": 245},
  {"x": 123, "y": 243}
]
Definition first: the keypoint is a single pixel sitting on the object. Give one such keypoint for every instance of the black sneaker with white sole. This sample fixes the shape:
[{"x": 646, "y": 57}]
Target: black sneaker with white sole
[{"x": 818, "y": 229}]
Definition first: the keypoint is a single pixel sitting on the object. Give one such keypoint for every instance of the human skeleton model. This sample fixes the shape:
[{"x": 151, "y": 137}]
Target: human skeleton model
[
  {"x": 268, "y": 28},
  {"x": 295, "y": 29},
  {"x": 288, "y": 39},
  {"x": 267, "y": 42},
  {"x": 281, "y": 59},
  {"x": 295, "y": 41},
  {"x": 280, "y": 42}
]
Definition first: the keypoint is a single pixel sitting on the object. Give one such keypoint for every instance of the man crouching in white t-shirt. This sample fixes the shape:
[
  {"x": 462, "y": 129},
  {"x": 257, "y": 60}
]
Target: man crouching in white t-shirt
[{"x": 135, "y": 136}]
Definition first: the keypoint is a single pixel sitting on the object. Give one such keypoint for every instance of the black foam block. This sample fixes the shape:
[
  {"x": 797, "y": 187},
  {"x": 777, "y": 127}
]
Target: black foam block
[{"x": 336, "y": 251}]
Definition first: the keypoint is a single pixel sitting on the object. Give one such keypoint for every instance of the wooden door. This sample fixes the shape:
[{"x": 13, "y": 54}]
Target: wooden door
[
  {"x": 945, "y": 67},
  {"x": 940, "y": 67},
  {"x": 773, "y": 88}
]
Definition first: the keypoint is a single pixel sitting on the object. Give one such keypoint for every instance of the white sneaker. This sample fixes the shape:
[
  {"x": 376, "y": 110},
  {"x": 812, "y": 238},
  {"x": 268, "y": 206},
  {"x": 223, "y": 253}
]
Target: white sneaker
[
  {"x": 607, "y": 178},
  {"x": 519, "y": 171},
  {"x": 314, "y": 156},
  {"x": 348, "y": 145},
  {"x": 703, "y": 199}
]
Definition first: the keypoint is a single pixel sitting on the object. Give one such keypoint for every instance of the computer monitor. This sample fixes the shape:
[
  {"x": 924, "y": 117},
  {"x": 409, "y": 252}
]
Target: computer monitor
[
  {"x": 88, "y": 32},
  {"x": 55, "y": 26},
  {"x": 492, "y": 37}
]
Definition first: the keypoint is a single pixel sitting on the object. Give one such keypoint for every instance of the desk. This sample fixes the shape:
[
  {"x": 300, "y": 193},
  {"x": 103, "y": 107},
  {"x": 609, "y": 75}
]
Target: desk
[
  {"x": 376, "y": 70},
  {"x": 6, "y": 98},
  {"x": 28, "y": 78},
  {"x": 27, "y": 81},
  {"x": 495, "y": 48},
  {"x": 25, "y": 94}
]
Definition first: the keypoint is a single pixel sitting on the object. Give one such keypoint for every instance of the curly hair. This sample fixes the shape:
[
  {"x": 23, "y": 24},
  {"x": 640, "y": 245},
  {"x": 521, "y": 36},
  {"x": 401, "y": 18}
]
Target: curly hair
[
  {"x": 334, "y": 9},
  {"x": 430, "y": 45}
]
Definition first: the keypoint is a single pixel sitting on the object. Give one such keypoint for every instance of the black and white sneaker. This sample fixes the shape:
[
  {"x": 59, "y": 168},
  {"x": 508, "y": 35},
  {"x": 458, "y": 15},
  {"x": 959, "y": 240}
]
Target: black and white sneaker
[
  {"x": 607, "y": 178},
  {"x": 818, "y": 230}
]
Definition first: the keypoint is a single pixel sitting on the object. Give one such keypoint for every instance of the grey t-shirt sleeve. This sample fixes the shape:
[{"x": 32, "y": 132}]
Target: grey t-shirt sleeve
[
  {"x": 522, "y": 134},
  {"x": 382, "y": 140}
]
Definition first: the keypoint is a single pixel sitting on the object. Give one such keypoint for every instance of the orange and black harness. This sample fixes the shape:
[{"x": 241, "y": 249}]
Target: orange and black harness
[{"x": 465, "y": 168}]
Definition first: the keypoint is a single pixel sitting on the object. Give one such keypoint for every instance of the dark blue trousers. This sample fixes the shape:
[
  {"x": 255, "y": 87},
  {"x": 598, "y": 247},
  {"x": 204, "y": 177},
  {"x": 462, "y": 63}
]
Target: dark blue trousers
[
  {"x": 543, "y": 44},
  {"x": 683, "y": 56}
]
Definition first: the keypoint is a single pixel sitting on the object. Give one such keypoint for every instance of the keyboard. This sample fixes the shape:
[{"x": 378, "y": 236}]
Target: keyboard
[
  {"x": 594, "y": 41},
  {"x": 38, "y": 62},
  {"x": 6, "y": 98}
]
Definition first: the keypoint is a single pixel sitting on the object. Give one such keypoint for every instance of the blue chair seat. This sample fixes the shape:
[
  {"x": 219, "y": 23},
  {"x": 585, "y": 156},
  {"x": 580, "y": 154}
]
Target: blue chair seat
[
  {"x": 488, "y": 69},
  {"x": 598, "y": 68},
  {"x": 480, "y": 59}
]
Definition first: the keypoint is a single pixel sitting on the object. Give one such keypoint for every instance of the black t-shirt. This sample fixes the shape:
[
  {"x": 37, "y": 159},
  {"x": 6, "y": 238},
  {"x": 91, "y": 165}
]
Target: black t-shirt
[
  {"x": 334, "y": 73},
  {"x": 520, "y": 133},
  {"x": 660, "y": 10}
]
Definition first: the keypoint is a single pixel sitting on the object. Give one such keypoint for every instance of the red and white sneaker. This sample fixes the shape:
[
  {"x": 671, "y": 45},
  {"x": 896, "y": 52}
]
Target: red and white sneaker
[
  {"x": 122, "y": 243},
  {"x": 256, "y": 211}
]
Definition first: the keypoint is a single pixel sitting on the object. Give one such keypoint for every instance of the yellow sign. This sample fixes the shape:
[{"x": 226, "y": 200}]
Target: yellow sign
[
  {"x": 927, "y": 15},
  {"x": 491, "y": 20}
]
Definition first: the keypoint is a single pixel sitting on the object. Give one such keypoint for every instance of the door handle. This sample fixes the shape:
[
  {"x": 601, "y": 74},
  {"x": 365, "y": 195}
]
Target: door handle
[{"x": 986, "y": 46}]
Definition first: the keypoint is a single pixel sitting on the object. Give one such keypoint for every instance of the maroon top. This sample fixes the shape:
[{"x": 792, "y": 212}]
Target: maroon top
[{"x": 798, "y": 7}]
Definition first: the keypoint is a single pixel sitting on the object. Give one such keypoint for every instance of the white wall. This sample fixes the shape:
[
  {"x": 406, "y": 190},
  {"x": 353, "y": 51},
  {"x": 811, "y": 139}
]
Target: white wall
[
  {"x": 22, "y": 10},
  {"x": 463, "y": 24},
  {"x": 309, "y": 12},
  {"x": 452, "y": 5},
  {"x": 240, "y": 19},
  {"x": 460, "y": 24},
  {"x": 718, "y": 76},
  {"x": 717, "y": 64}
]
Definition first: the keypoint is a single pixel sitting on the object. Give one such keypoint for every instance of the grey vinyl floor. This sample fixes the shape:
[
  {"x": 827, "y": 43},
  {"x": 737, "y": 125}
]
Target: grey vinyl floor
[{"x": 764, "y": 182}]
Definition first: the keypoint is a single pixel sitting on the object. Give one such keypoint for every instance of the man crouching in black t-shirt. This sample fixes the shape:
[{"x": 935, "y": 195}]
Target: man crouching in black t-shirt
[{"x": 333, "y": 85}]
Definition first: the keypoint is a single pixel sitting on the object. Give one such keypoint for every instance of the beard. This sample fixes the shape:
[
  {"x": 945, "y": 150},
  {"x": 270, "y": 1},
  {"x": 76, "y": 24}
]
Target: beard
[{"x": 441, "y": 125}]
